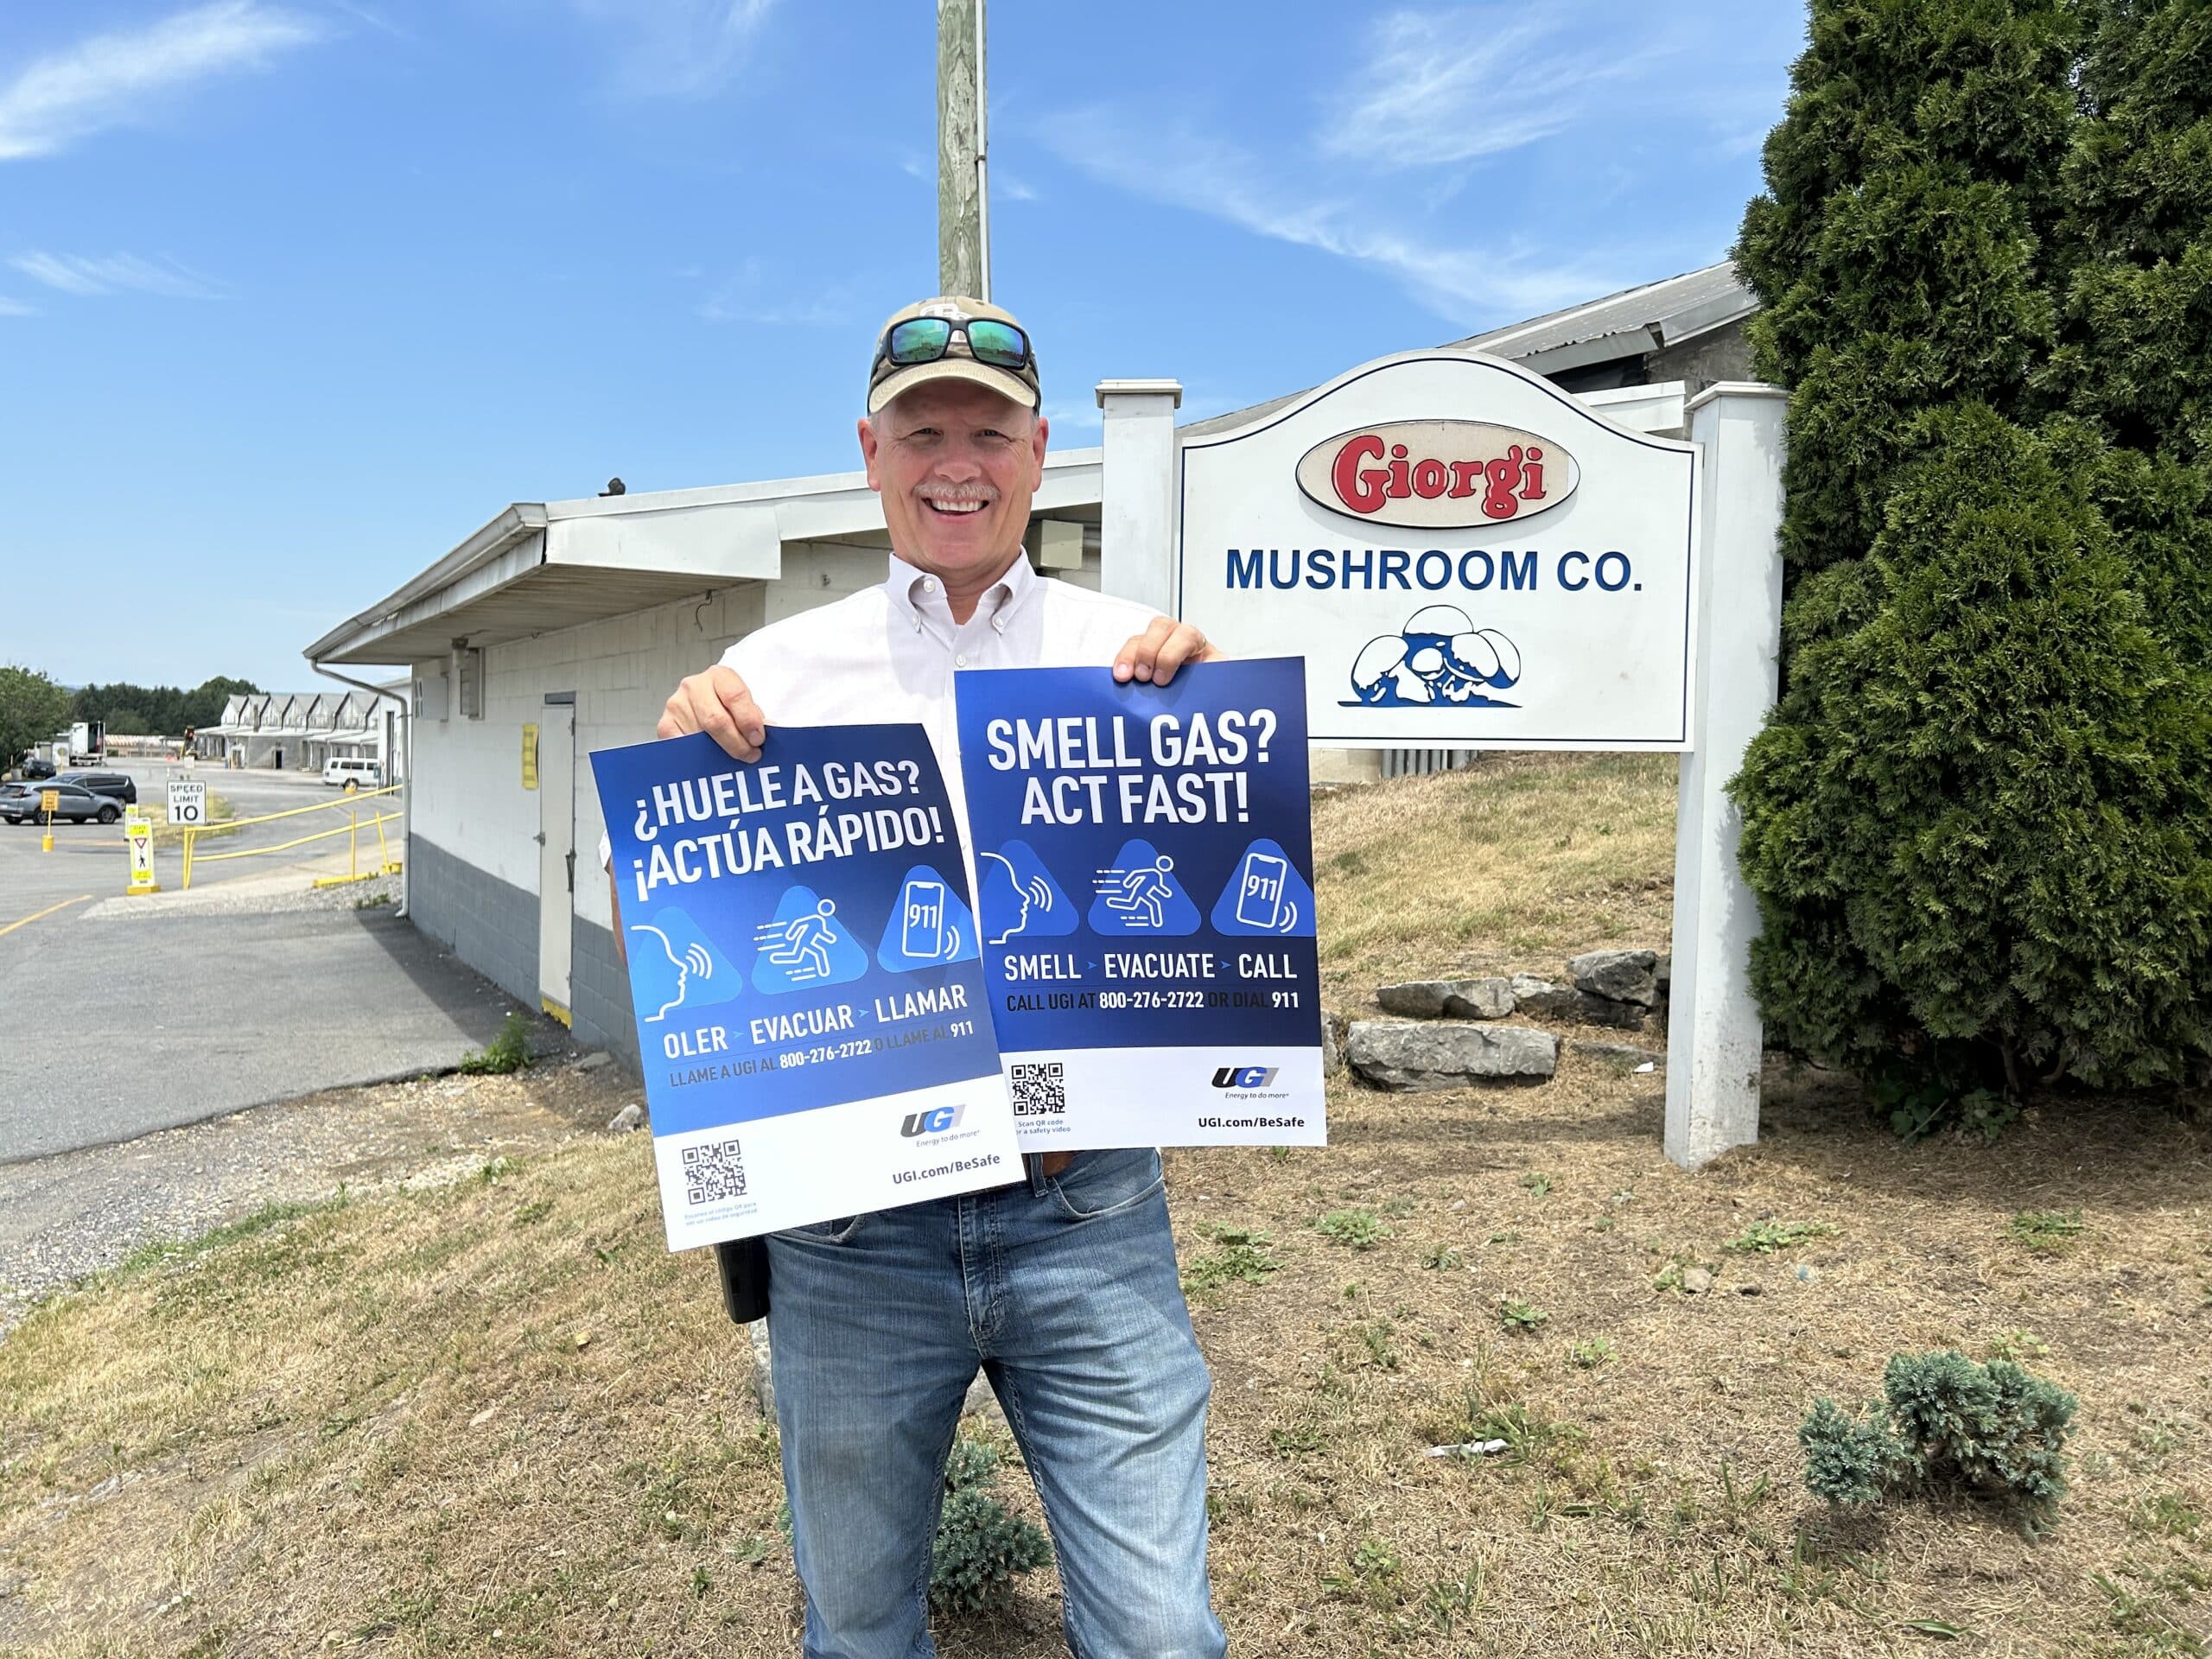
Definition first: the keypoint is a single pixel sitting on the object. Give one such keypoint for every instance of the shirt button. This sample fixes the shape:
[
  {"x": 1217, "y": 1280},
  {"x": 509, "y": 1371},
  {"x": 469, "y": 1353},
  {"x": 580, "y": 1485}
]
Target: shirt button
[
  {"x": 960, "y": 662},
  {"x": 929, "y": 584}
]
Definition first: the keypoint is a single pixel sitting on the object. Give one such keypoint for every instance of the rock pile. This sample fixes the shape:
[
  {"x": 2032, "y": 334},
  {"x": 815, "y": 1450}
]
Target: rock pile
[{"x": 1618, "y": 988}]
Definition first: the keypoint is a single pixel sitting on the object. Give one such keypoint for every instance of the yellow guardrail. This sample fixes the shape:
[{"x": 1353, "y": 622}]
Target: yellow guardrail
[{"x": 349, "y": 804}]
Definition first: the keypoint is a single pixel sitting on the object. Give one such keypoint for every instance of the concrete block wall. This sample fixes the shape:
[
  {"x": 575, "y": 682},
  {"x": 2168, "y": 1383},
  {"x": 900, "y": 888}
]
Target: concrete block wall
[
  {"x": 599, "y": 1004},
  {"x": 489, "y": 924}
]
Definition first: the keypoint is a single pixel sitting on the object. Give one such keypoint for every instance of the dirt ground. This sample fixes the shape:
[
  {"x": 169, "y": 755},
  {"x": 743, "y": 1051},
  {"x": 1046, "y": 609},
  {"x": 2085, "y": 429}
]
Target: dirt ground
[{"x": 494, "y": 1415}]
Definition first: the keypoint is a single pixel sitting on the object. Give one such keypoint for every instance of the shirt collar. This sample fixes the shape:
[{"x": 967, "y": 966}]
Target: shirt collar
[{"x": 913, "y": 591}]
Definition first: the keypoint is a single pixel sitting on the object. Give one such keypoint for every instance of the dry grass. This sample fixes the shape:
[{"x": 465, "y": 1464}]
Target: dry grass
[
  {"x": 1512, "y": 866},
  {"x": 375, "y": 1426}
]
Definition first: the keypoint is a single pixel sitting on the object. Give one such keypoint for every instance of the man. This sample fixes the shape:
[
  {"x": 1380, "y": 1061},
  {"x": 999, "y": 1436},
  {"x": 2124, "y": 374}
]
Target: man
[{"x": 1062, "y": 1287}]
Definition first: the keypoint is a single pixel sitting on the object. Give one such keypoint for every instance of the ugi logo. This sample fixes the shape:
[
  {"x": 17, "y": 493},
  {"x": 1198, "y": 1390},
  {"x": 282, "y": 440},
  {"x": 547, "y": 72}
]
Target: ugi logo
[
  {"x": 936, "y": 1122},
  {"x": 1244, "y": 1077}
]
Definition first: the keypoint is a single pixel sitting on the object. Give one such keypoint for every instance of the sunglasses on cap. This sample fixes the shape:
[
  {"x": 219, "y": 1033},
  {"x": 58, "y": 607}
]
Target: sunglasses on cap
[{"x": 925, "y": 339}]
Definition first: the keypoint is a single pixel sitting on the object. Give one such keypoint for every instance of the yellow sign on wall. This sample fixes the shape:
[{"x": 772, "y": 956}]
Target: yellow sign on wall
[{"x": 529, "y": 756}]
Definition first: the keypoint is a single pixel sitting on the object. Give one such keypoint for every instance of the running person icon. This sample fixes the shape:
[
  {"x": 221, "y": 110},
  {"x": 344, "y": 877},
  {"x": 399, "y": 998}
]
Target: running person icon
[
  {"x": 805, "y": 942},
  {"x": 1137, "y": 894}
]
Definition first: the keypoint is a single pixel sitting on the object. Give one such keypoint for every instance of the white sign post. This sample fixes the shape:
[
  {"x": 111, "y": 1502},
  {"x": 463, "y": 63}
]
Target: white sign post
[
  {"x": 1468, "y": 557},
  {"x": 188, "y": 802}
]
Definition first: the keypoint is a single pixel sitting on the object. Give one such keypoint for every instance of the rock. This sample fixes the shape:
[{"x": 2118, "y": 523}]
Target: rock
[
  {"x": 980, "y": 1401},
  {"x": 1543, "y": 998},
  {"x": 763, "y": 1372},
  {"x": 630, "y": 1117},
  {"x": 1622, "y": 1053},
  {"x": 595, "y": 1060},
  {"x": 1333, "y": 1027},
  {"x": 1617, "y": 975},
  {"x": 1411, "y": 1057},
  {"x": 1696, "y": 1280},
  {"x": 1456, "y": 999}
]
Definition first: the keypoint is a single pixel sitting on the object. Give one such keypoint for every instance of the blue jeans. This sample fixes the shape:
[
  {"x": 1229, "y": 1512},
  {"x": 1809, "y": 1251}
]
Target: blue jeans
[{"x": 1065, "y": 1291}]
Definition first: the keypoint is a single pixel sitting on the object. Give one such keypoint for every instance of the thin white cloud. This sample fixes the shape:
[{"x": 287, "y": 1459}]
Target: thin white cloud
[
  {"x": 112, "y": 80},
  {"x": 749, "y": 296},
  {"x": 15, "y": 307},
  {"x": 1457, "y": 85},
  {"x": 75, "y": 274},
  {"x": 677, "y": 48},
  {"x": 1192, "y": 170}
]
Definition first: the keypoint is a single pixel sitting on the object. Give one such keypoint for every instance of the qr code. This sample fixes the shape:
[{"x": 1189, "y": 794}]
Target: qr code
[
  {"x": 713, "y": 1172},
  {"x": 1040, "y": 1087}
]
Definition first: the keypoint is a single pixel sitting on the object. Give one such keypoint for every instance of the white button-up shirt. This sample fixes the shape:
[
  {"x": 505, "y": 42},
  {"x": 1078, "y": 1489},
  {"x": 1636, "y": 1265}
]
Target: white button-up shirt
[{"x": 889, "y": 653}]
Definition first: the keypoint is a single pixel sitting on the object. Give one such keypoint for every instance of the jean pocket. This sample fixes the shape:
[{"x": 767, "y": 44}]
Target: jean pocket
[
  {"x": 837, "y": 1231},
  {"x": 1099, "y": 1182}
]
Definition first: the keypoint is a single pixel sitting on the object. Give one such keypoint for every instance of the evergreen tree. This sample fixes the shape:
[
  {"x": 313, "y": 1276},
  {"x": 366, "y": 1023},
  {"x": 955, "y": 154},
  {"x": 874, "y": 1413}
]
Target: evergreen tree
[
  {"x": 2135, "y": 249},
  {"x": 1978, "y": 823}
]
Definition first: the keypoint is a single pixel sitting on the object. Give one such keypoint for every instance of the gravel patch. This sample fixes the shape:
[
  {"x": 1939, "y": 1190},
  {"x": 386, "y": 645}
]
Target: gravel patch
[
  {"x": 258, "y": 896},
  {"x": 77, "y": 1213}
]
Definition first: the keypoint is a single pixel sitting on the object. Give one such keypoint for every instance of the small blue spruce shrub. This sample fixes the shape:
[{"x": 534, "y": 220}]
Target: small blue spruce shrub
[{"x": 1993, "y": 1431}]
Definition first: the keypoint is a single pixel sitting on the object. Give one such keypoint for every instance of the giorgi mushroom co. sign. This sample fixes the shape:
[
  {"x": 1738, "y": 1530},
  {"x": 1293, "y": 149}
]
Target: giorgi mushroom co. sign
[{"x": 1438, "y": 474}]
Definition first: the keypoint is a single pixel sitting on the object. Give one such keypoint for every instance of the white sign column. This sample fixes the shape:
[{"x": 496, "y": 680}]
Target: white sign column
[
  {"x": 1714, "y": 1037},
  {"x": 1137, "y": 529}
]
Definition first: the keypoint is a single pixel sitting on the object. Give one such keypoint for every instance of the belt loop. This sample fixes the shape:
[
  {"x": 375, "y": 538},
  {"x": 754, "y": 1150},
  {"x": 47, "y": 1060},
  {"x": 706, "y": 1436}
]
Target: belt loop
[{"x": 1034, "y": 1163}]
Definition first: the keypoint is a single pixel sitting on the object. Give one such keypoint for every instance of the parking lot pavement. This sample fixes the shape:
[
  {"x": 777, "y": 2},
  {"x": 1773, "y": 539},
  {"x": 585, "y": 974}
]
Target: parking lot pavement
[{"x": 109, "y": 1029}]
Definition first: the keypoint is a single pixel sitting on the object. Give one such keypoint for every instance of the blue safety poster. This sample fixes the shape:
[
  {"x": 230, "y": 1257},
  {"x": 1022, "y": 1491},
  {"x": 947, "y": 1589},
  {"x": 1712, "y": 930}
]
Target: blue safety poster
[
  {"x": 1144, "y": 866},
  {"x": 805, "y": 974}
]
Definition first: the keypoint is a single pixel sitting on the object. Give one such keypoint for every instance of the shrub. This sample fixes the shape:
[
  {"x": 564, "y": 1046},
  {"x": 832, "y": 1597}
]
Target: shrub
[
  {"x": 1977, "y": 821},
  {"x": 508, "y": 1051},
  {"x": 981, "y": 1545},
  {"x": 1992, "y": 1431}
]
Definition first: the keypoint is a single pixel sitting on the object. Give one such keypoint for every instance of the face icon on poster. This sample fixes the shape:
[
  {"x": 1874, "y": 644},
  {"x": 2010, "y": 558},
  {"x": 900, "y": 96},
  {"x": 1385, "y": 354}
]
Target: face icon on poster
[
  {"x": 683, "y": 968},
  {"x": 1020, "y": 898},
  {"x": 1440, "y": 660},
  {"x": 1265, "y": 895},
  {"x": 929, "y": 925},
  {"x": 805, "y": 947},
  {"x": 1139, "y": 894}
]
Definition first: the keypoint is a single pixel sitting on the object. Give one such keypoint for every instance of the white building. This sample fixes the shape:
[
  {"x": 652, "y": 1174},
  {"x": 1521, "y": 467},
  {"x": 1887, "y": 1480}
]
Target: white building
[
  {"x": 297, "y": 731},
  {"x": 561, "y": 628}
]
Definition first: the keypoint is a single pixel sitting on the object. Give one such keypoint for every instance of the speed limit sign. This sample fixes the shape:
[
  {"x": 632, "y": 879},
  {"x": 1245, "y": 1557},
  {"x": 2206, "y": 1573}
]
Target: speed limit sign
[{"x": 188, "y": 802}]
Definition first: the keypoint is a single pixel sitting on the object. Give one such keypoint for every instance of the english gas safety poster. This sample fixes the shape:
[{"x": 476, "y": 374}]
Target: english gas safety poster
[
  {"x": 804, "y": 968},
  {"x": 1145, "y": 870}
]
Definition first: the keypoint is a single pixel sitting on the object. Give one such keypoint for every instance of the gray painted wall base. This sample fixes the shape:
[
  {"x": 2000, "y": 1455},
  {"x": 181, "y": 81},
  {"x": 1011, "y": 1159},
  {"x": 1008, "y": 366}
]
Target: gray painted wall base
[
  {"x": 489, "y": 924},
  {"x": 599, "y": 994}
]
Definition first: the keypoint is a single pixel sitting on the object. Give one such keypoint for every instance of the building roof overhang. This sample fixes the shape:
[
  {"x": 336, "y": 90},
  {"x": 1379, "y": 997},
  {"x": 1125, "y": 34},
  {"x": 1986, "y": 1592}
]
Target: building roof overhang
[{"x": 540, "y": 566}]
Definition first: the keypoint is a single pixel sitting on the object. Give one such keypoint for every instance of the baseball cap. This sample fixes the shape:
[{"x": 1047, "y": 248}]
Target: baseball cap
[{"x": 931, "y": 341}]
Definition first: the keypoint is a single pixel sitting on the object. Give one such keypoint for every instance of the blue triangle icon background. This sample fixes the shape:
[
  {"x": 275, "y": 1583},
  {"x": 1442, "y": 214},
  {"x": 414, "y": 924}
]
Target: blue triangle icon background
[
  {"x": 1142, "y": 886},
  {"x": 929, "y": 925},
  {"x": 1265, "y": 896},
  {"x": 1020, "y": 898},
  {"x": 819, "y": 953},
  {"x": 675, "y": 965}
]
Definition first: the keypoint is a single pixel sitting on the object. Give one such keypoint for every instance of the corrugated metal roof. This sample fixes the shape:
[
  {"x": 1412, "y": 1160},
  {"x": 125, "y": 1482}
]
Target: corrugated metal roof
[{"x": 1673, "y": 310}]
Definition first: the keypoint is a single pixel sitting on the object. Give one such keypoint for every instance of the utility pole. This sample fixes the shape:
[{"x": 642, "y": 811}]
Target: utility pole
[{"x": 964, "y": 220}]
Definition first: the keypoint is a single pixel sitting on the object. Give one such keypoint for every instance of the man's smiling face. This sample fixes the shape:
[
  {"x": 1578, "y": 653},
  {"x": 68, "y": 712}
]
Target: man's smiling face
[{"x": 956, "y": 466}]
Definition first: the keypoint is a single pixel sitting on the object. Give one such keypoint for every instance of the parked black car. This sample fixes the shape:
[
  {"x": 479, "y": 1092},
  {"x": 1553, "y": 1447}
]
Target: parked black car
[
  {"x": 117, "y": 786},
  {"x": 71, "y": 802},
  {"x": 35, "y": 768}
]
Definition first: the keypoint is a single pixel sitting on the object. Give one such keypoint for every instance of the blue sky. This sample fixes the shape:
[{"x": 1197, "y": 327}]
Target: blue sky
[{"x": 294, "y": 294}]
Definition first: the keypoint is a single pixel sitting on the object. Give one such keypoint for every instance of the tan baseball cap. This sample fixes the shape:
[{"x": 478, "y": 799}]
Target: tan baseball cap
[{"x": 959, "y": 360}]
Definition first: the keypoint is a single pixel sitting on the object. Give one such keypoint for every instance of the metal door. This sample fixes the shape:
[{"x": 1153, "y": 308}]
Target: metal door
[{"x": 557, "y": 855}]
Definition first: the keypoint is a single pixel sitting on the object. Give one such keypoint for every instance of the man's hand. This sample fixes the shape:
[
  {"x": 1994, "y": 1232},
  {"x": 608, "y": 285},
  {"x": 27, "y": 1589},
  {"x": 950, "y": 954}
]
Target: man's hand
[
  {"x": 1155, "y": 654},
  {"x": 717, "y": 703}
]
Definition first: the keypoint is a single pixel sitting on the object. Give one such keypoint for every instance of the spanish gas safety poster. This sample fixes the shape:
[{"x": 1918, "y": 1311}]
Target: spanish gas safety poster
[
  {"x": 803, "y": 973},
  {"x": 1144, "y": 864}
]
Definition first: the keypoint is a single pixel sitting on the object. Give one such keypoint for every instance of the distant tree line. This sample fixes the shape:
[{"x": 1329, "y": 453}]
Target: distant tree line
[{"x": 156, "y": 711}]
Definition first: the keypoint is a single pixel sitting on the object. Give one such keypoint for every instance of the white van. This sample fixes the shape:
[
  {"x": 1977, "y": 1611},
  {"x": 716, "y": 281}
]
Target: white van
[{"x": 349, "y": 773}]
